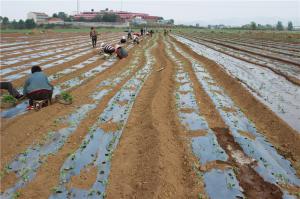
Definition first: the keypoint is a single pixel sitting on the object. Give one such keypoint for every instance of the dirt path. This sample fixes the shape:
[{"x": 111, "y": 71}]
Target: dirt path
[{"x": 151, "y": 160}]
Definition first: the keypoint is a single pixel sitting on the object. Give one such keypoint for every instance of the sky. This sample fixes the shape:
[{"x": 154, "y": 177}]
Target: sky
[{"x": 204, "y": 12}]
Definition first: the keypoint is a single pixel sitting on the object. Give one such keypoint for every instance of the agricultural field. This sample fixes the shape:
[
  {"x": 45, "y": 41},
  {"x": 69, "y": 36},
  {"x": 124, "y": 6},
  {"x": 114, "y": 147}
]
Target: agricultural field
[{"x": 190, "y": 114}]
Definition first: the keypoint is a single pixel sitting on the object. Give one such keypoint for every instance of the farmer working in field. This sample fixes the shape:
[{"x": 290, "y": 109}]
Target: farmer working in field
[
  {"x": 37, "y": 87},
  {"x": 93, "y": 36},
  {"x": 11, "y": 90},
  {"x": 136, "y": 39},
  {"x": 106, "y": 48},
  {"x": 121, "y": 52},
  {"x": 123, "y": 40}
]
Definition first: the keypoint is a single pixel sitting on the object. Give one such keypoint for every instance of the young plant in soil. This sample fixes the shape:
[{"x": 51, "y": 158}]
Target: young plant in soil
[
  {"x": 67, "y": 97},
  {"x": 8, "y": 99}
]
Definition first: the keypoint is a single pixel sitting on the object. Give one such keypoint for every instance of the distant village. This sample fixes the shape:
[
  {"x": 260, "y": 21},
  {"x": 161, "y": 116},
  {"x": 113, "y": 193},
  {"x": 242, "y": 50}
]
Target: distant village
[{"x": 106, "y": 16}]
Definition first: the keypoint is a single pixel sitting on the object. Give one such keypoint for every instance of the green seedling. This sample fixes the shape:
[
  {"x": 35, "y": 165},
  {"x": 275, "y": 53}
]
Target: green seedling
[
  {"x": 16, "y": 195},
  {"x": 56, "y": 190},
  {"x": 200, "y": 196},
  {"x": 8, "y": 99},
  {"x": 66, "y": 96},
  {"x": 230, "y": 185}
]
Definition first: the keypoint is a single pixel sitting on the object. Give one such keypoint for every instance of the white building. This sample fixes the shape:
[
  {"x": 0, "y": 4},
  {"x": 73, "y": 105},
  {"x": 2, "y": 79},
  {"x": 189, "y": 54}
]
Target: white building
[
  {"x": 38, "y": 17},
  {"x": 138, "y": 21}
]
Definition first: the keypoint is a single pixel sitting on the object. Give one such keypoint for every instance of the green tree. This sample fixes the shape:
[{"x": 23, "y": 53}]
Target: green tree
[
  {"x": 55, "y": 15},
  {"x": 279, "y": 26},
  {"x": 171, "y": 21},
  {"x": 98, "y": 18},
  {"x": 5, "y": 21},
  {"x": 107, "y": 17},
  {"x": 21, "y": 24},
  {"x": 253, "y": 25},
  {"x": 29, "y": 23},
  {"x": 14, "y": 24},
  {"x": 82, "y": 19},
  {"x": 290, "y": 26},
  {"x": 62, "y": 15}
]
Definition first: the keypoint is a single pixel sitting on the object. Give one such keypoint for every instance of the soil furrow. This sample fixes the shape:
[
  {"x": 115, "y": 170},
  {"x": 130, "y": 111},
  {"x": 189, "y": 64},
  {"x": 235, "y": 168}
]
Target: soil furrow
[
  {"x": 151, "y": 154},
  {"x": 50, "y": 172}
]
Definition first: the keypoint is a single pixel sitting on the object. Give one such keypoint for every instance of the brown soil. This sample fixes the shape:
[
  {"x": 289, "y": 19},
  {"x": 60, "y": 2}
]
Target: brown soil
[
  {"x": 49, "y": 173},
  {"x": 279, "y": 133},
  {"x": 151, "y": 153},
  {"x": 110, "y": 126},
  {"x": 85, "y": 179},
  {"x": 153, "y": 158},
  {"x": 256, "y": 187}
]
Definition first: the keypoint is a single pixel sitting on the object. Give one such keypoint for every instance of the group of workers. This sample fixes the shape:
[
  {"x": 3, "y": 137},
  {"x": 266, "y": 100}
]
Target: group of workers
[
  {"x": 37, "y": 85},
  {"x": 119, "y": 49}
]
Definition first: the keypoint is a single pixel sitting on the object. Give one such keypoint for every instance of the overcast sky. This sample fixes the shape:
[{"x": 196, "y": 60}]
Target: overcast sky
[{"x": 205, "y": 12}]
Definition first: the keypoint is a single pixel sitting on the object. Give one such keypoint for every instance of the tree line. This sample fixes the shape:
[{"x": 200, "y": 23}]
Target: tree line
[
  {"x": 106, "y": 17},
  {"x": 279, "y": 26},
  {"x": 21, "y": 24}
]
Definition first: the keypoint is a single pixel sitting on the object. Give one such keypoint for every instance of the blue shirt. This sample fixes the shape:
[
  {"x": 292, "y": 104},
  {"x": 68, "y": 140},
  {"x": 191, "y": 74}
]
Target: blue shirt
[{"x": 36, "y": 81}]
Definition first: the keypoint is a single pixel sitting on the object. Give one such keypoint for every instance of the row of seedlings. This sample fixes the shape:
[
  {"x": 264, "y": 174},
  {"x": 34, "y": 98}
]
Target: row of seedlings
[
  {"x": 97, "y": 147},
  {"x": 270, "y": 165},
  {"x": 205, "y": 147},
  {"x": 26, "y": 164},
  {"x": 64, "y": 86},
  {"x": 280, "y": 95}
]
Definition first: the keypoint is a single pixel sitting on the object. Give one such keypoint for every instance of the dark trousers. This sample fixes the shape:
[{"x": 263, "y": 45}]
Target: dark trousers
[
  {"x": 39, "y": 95},
  {"x": 9, "y": 87},
  {"x": 111, "y": 51},
  {"x": 94, "y": 41}
]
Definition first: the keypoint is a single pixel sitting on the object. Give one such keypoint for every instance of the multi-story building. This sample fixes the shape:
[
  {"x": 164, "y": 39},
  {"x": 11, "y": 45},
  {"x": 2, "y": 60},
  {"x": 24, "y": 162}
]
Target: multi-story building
[
  {"x": 38, "y": 17},
  {"x": 123, "y": 15}
]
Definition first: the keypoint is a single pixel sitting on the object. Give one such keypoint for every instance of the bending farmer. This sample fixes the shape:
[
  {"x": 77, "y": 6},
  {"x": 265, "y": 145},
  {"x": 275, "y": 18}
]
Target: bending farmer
[{"x": 12, "y": 91}]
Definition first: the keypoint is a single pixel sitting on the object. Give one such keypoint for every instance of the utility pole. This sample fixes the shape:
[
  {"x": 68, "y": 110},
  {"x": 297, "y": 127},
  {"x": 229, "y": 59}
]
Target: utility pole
[{"x": 77, "y": 6}]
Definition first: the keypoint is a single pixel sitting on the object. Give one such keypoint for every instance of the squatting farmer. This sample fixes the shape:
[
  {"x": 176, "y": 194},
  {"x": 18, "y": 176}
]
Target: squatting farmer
[{"x": 37, "y": 87}]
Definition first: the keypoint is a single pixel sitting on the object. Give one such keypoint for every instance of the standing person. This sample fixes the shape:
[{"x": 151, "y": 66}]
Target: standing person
[
  {"x": 11, "y": 90},
  {"x": 93, "y": 36},
  {"x": 129, "y": 36},
  {"x": 108, "y": 49},
  {"x": 37, "y": 86},
  {"x": 151, "y": 32},
  {"x": 142, "y": 31}
]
